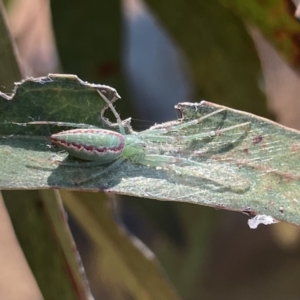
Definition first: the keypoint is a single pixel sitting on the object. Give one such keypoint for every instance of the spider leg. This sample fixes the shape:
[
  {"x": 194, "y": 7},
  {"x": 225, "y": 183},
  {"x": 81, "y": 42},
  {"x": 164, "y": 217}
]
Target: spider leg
[
  {"x": 172, "y": 128},
  {"x": 114, "y": 99},
  {"x": 209, "y": 134},
  {"x": 65, "y": 124},
  {"x": 120, "y": 123},
  {"x": 215, "y": 175}
]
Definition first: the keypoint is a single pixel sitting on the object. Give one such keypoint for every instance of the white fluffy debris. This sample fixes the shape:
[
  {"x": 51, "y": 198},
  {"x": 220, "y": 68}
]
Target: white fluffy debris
[{"x": 261, "y": 219}]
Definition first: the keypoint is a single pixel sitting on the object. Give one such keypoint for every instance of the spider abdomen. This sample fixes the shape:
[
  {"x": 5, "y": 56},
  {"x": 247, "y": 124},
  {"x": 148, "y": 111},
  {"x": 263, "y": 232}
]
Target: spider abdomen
[{"x": 91, "y": 144}]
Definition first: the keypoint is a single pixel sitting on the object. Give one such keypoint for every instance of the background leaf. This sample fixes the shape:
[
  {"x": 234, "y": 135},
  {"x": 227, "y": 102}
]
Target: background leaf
[
  {"x": 125, "y": 258},
  {"x": 276, "y": 20},
  {"x": 215, "y": 45}
]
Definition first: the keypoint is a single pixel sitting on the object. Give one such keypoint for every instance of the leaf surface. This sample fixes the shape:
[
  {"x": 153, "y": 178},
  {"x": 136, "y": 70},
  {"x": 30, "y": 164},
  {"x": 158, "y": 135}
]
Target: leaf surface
[{"x": 251, "y": 168}]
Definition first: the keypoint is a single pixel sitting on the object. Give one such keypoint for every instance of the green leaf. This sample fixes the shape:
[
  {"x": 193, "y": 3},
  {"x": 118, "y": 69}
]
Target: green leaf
[
  {"x": 52, "y": 98},
  {"x": 251, "y": 168}
]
